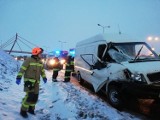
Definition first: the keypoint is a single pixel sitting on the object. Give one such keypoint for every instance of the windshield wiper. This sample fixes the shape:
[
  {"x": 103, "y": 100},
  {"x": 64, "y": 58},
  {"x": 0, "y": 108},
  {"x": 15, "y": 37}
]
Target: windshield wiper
[{"x": 138, "y": 53}]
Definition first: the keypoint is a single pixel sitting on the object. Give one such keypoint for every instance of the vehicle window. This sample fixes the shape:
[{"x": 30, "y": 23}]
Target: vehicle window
[
  {"x": 145, "y": 52},
  {"x": 132, "y": 51},
  {"x": 101, "y": 49},
  {"x": 118, "y": 56}
]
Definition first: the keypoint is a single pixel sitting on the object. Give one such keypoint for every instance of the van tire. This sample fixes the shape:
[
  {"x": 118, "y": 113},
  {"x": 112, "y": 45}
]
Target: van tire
[
  {"x": 80, "y": 80},
  {"x": 114, "y": 97}
]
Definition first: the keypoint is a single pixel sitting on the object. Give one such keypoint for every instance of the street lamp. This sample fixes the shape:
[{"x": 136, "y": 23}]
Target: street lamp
[
  {"x": 156, "y": 38},
  {"x": 62, "y": 43},
  {"x": 149, "y": 38},
  {"x": 103, "y": 27},
  {"x": 152, "y": 40}
]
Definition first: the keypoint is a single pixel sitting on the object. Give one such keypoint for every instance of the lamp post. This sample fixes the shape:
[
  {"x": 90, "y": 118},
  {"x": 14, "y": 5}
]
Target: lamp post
[
  {"x": 103, "y": 27},
  {"x": 62, "y": 43},
  {"x": 152, "y": 41}
]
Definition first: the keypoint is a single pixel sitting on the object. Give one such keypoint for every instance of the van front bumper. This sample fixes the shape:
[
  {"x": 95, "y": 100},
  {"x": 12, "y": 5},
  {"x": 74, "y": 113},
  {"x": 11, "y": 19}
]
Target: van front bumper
[{"x": 141, "y": 90}]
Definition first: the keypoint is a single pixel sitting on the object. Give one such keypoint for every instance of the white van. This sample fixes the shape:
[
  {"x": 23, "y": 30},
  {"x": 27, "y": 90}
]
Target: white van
[{"x": 120, "y": 66}]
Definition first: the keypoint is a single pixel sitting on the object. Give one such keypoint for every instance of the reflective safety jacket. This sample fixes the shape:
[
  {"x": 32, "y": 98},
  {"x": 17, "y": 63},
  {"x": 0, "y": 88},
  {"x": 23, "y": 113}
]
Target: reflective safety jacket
[
  {"x": 70, "y": 64},
  {"x": 32, "y": 69}
]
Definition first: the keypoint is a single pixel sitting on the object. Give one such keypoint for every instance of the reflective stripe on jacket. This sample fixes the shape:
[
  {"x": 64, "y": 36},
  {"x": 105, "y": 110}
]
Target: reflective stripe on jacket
[
  {"x": 32, "y": 68},
  {"x": 72, "y": 63}
]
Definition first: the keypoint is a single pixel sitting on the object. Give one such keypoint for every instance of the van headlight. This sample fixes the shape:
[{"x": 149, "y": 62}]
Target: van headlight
[{"x": 136, "y": 77}]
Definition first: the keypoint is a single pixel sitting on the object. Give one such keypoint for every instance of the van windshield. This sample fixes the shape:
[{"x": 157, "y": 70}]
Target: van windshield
[{"x": 132, "y": 52}]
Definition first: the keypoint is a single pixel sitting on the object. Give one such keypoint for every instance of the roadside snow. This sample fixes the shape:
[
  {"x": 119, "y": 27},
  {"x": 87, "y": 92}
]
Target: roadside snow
[{"x": 8, "y": 67}]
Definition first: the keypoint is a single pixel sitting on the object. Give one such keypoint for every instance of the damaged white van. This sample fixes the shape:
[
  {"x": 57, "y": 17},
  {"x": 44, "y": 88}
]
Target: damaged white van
[{"x": 120, "y": 66}]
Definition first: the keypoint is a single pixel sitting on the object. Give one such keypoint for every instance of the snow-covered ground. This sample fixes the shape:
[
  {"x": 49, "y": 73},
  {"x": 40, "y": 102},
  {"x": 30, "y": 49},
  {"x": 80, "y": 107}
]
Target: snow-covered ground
[{"x": 57, "y": 101}]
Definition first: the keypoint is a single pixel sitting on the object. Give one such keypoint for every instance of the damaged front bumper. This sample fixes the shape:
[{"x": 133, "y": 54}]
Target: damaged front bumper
[{"x": 141, "y": 90}]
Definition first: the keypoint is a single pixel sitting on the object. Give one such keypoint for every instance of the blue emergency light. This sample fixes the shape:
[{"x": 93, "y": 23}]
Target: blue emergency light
[
  {"x": 57, "y": 53},
  {"x": 72, "y": 52}
]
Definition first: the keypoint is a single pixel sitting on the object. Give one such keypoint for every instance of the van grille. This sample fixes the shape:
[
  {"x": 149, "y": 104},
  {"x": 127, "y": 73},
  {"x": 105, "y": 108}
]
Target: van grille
[{"x": 154, "y": 77}]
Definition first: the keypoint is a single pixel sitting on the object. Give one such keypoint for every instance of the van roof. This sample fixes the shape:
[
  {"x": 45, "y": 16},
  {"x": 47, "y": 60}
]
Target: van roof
[{"x": 106, "y": 38}]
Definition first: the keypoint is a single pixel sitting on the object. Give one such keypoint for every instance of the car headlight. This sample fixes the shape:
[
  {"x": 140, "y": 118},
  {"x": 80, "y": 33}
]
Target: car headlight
[
  {"x": 136, "y": 77},
  {"x": 52, "y": 62},
  {"x": 62, "y": 61}
]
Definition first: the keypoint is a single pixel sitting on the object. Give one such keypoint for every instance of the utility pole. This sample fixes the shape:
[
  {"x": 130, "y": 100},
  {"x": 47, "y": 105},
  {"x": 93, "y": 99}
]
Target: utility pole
[
  {"x": 119, "y": 30},
  {"x": 13, "y": 43}
]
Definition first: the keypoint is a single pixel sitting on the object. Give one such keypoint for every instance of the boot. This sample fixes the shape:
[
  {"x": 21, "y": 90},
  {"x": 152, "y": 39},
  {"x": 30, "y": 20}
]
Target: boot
[
  {"x": 66, "y": 81},
  {"x": 54, "y": 80},
  {"x": 23, "y": 113},
  {"x": 31, "y": 111}
]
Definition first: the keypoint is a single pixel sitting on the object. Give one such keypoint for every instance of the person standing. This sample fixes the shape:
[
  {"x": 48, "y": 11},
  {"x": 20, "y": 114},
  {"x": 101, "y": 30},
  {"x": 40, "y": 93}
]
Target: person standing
[
  {"x": 56, "y": 69},
  {"x": 32, "y": 68},
  {"x": 72, "y": 63},
  {"x": 68, "y": 69}
]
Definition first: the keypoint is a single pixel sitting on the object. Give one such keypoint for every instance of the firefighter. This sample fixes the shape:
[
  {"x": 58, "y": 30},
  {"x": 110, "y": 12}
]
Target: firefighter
[
  {"x": 56, "y": 69},
  {"x": 32, "y": 68},
  {"x": 68, "y": 69},
  {"x": 72, "y": 63}
]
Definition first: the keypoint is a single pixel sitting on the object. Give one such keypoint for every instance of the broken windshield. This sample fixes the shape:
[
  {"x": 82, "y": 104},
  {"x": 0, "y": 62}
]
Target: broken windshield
[{"x": 130, "y": 51}]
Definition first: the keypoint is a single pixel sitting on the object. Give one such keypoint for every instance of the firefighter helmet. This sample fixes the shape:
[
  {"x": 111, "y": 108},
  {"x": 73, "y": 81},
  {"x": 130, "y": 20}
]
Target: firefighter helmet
[{"x": 36, "y": 51}]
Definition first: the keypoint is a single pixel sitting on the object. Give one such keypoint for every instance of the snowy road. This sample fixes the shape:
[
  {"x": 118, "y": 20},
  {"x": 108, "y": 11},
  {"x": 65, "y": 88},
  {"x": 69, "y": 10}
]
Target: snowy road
[{"x": 58, "y": 101}]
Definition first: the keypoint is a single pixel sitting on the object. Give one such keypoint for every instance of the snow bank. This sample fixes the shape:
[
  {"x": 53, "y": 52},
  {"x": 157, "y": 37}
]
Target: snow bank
[
  {"x": 7, "y": 63},
  {"x": 8, "y": 67}
]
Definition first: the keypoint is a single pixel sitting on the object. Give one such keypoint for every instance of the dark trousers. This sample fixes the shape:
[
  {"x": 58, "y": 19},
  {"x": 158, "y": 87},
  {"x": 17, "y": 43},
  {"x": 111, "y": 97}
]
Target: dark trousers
[
  {"x": 67, "y": 75},
  {"x": 55, "y": 74}
]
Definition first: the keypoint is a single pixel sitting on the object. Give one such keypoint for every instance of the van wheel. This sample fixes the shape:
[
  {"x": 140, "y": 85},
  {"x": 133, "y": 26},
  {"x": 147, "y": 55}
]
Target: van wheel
[
  {"x": 80, "y": 80},
  {"x": 114, "y": 97}
]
